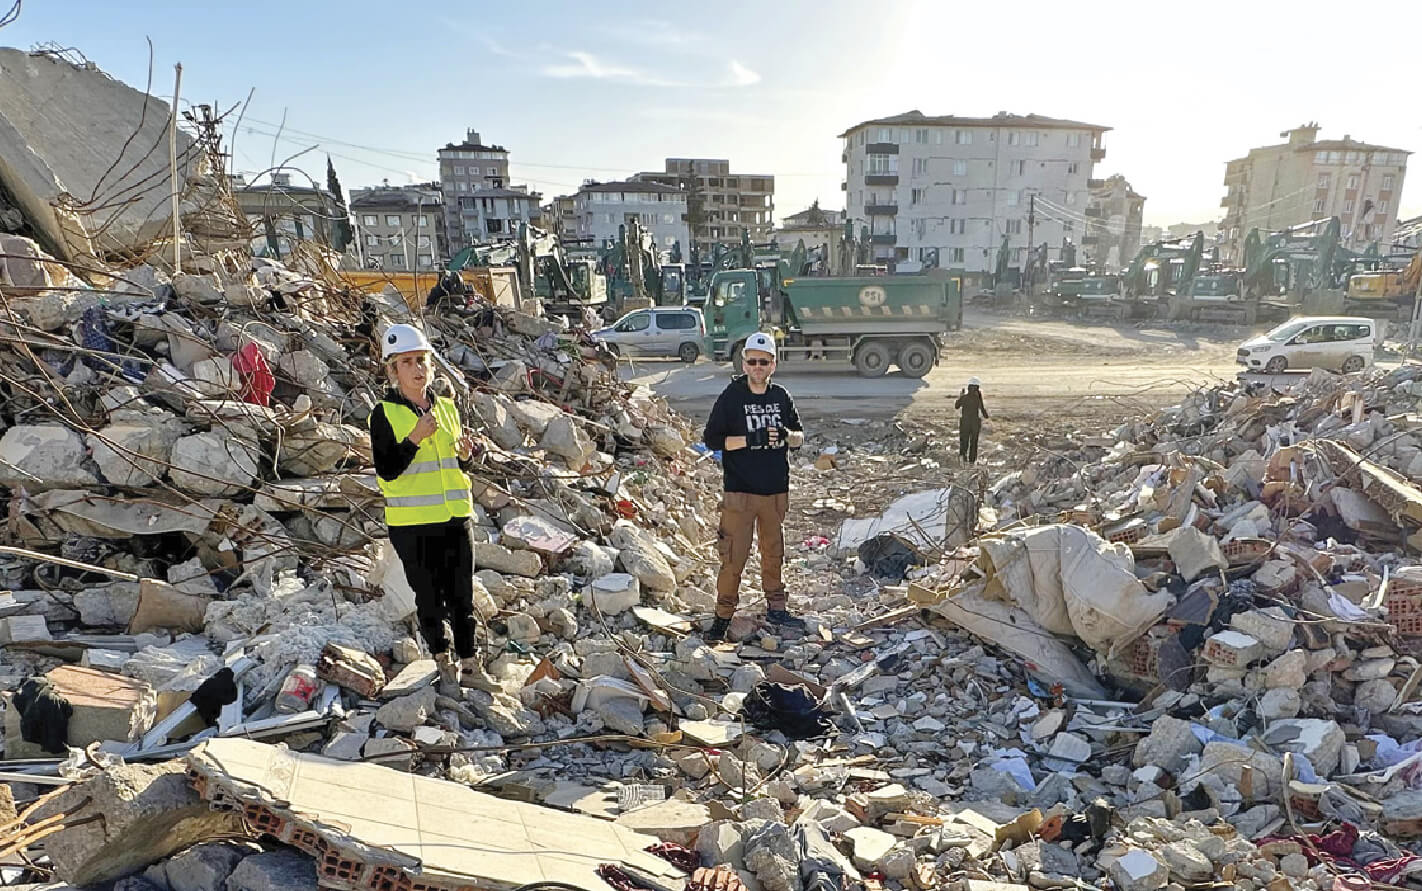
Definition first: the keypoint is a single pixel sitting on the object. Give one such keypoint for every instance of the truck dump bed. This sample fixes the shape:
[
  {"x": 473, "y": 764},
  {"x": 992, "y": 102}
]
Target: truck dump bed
[{"x": 890, "y": 304}]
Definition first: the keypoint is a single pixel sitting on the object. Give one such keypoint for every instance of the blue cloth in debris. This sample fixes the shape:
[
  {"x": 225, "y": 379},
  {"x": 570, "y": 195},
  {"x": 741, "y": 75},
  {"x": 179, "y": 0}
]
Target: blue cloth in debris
[{"x": 94, "y": 335}]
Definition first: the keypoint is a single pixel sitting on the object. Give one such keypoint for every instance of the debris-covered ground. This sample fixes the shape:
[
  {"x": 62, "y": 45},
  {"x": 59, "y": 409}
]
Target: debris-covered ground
[{"x": 1162, "y": 640}]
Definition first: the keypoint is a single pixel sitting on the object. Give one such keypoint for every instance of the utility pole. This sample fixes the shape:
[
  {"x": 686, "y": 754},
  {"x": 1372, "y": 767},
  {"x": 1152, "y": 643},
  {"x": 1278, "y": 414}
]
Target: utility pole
[{"x": 1031, "y": 233}]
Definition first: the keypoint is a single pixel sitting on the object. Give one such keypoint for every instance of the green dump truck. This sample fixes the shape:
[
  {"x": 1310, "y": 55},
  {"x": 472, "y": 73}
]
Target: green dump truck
[{"x": 866, "y": 323}]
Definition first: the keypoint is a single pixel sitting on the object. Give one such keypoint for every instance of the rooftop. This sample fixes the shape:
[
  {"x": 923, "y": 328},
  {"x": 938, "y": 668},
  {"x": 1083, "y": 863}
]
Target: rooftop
[
  {"x": 472, "y": 147},
  {"x": 396, "y": 196},
  {"x": 1001, "y": 119},
  {"x": 504, "y": 193},
  {"x": 632, "y": 186},
  {"x": 1346, "y": 144}
]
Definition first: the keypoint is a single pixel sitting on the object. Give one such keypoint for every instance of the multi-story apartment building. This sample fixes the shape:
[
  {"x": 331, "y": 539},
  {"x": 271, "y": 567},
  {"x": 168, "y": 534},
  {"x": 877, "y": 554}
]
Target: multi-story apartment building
[
  {"x": 1304, "y": 179},
  {"x": 479, "y": 203},
  {"x": 1114, "y": 213},
  {"x": 282, "y": 213},
  {"x": 561, "y": 216},
  {"x": 955, "y": 186},
  {"x": 400, "y": 227},
  {"x": 720, "y": 204},
  {"x": 600, "y": 209}
]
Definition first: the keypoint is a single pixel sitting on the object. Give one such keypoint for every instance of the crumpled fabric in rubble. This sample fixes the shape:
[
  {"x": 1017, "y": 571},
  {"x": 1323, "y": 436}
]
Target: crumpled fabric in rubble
[
  {"x": 793, "y": 711},
  {"x": 887, "y": 556},
  {"x": 256, "y": 375},
  {"x": 44, "y": 715},
  {"x": 1337, "y": 847}
]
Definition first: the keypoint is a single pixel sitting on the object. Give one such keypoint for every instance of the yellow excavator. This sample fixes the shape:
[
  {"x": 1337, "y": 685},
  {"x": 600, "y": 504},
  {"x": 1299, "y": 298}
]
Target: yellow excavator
[{"x": 1385, "y": 284}]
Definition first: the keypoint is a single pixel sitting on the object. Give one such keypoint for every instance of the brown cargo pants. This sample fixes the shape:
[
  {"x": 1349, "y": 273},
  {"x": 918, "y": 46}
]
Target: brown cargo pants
[{"x": 743, "y": 518}]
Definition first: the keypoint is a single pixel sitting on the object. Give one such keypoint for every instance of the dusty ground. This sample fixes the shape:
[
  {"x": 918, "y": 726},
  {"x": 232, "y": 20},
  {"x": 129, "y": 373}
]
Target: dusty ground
[{"x": 1045, "y": 383}]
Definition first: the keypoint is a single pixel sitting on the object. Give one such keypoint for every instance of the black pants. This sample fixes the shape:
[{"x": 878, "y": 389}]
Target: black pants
[
  {"x": 968, "y": 439},
  {"x": 439, "y": 565}
]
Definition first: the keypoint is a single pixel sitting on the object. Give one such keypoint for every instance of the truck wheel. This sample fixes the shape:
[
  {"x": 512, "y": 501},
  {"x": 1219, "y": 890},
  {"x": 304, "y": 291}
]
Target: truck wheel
[
  {"x": 1276, "y": 365},
  {"x": 736, "y": 359},
  {"x": 916, "y": 359},
  {"x": 872, "y": 359},
  {"x": 689, "y": 352},
  {"x": 1353, "y": 364}
]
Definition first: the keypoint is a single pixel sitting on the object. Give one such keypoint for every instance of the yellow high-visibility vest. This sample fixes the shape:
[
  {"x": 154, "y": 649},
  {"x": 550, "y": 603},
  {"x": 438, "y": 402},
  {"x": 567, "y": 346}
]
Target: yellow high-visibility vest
[{"x": 432, "y": 489}]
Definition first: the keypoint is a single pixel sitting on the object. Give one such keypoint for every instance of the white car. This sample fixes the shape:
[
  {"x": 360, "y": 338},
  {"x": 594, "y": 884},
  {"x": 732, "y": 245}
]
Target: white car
[{"x": 1337, "y": 343}]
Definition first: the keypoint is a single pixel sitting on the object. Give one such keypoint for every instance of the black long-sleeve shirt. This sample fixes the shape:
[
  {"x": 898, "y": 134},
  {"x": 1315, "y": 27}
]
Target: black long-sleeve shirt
[
  {"x": 738, "y": 411},
  {"x": 971, "y": 404}
]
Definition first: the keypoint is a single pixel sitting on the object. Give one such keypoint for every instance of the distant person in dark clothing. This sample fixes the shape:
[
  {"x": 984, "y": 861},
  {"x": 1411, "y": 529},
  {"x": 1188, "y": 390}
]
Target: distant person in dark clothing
[{"x": 970, "y": 422}]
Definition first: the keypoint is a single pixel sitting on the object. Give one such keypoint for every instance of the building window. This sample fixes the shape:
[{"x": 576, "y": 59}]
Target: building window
[
  {"x": 1074, "y": 140},
  {"x": 392, "y": 219},
  {"x": 883, "y": 165},
  {"x": 397, "y": 261},
  {"x": 937, "y": 137},
  {"x": 462, "y": 186},
  {"x": 1029, "y": 138},
  {"x": 1387, "y": 182},
  {"x": 1012, "y": 137},
  {"x": 903, "y": 135},
  {"x": 863, "y": 134},
  {"x": 667, "y": 218},
  {"x": 1382, "y": 207},
  {"x": 371, "y": 219},
  {"x": 1352, "y": 181},
  {"x": 1019, "y": 167},
  {"x": 1068, "y": 226},
  {"x": 426, "y": 261},
  {"x": 1348, "y": 206},
  {"x": 917, "y": 196},
  {"x": 960, "y": 168},
  {"x": 423, "y": 243},
  {"x": 962, "y": 137},
  {"x": 1324, "y": 179},
  {"x": 955, "y": 255},
  {"x": 492, "y": 171},
  {"x": 1012, "y": 198},
  {"x": 372, "y": 241},
  {"x": 1072, "y": 168},
  {"x": 1014, "y": 227},
  {"x": 920, "y": 137},
  {"x": 458, "y": 169},
  {"x": 920, "y": 166},
  {"x": 1353, "y": 157},
  {"x": 1070, "y": 197},
  {"x": 1318, "y": 206},
  {"x": 422, "y": 220},
  {"x": 957, "y": 227},
  {"x": 885, "y": 134},
  {"x": 960, "y": 196}
]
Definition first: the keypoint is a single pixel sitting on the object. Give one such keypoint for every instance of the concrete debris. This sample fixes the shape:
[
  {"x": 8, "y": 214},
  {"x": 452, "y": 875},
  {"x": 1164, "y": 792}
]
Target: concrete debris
[{"x": 1151, "y": 656}]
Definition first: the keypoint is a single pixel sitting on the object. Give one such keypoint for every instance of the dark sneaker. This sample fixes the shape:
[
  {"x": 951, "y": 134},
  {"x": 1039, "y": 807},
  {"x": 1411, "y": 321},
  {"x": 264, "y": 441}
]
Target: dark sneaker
[
  {"x": 717, "y": 634},
  {"x": 784, "y": 619}
]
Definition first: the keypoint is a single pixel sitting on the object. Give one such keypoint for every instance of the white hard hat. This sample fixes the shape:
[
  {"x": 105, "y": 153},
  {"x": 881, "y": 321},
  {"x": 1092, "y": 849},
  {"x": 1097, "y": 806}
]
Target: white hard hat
[
  {"x": 403, "y": 339},
  {"x": 974, "y": 382},
  {"x": 760, "y": 341}
]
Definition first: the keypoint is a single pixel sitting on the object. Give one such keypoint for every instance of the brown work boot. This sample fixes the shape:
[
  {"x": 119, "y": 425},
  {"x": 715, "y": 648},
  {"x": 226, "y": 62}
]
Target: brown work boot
[
  {"x": 448, "y": 676},
  {"x": 474, "y": 675}
]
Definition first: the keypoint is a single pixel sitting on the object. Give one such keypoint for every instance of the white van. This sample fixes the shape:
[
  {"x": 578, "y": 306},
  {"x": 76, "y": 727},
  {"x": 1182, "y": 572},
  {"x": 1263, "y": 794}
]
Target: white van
[{"x": 1337, "y": 343}]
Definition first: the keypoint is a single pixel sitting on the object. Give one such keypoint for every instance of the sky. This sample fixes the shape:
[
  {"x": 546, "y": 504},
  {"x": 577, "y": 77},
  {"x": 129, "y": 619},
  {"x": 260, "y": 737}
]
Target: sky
[{"x": 603, "y": 90}]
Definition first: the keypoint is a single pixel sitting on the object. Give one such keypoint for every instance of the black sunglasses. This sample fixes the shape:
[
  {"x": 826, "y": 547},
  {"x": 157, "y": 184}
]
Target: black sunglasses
[{"x": 759, "y": 361}]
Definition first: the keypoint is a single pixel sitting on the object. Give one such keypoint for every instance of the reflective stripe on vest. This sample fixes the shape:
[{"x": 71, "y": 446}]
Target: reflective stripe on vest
[{"x": 432, "y": 489}]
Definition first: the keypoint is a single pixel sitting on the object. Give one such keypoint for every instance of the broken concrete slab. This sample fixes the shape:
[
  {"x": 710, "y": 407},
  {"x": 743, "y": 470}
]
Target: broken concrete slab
[
  {"x": 149, "y": 812},
  {"x": 282, "y": 870},
  {"x": 43, "y": 456},
  {"x": 212, "y": 464},
  {"x": 105, "y": 706},
  {"x": 638, "y": 554},
  {"x": 671, "y": 820},
  {"x": 500, "y": 559},
  {"x": 384, "y": 822}
]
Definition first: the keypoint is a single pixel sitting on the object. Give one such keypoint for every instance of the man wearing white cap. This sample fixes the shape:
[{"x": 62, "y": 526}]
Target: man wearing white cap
[
  {"x": 419, "y": 447},
  {"x": 970, "y": 421},
  {"x": 753, "y": 423}
]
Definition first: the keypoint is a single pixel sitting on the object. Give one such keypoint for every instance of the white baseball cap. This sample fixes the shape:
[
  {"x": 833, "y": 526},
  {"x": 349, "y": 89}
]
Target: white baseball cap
[
  {"x": 403, "y": 339},
  {"x": 974, "y": 382},
  {"x": 760, "y": 341}
]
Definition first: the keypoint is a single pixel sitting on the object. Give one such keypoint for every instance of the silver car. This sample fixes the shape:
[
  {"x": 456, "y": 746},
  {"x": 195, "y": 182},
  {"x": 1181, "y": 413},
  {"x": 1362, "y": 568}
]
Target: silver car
[{"x": 660, "y": 331}]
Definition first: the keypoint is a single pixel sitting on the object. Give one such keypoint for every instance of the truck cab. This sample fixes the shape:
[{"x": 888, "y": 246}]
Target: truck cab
[{"x": 673, "y": 284}]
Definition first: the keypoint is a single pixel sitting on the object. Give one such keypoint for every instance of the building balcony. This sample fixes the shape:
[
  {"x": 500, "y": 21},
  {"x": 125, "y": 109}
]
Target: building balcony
[
  {"x": 1089, "y": 240},
  {"x": 844, "y": 157},
  {"x": 882, "y": 148},
  {"x": 1097, "y": 154},
  {"x": 1225, "y": 201},
  {"x": 882, "y": 179},
  {"x": 884, "y": 238},
  {"x": 843, "y": 186},
  {"x": 881, "y": 210},
  {"x": 1096, "y": 184},
  {"x": 1092, "y": 211}
]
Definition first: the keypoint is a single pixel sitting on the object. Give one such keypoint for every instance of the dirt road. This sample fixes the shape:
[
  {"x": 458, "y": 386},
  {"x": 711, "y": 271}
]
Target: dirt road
[{"x": 1029, "y": 368}]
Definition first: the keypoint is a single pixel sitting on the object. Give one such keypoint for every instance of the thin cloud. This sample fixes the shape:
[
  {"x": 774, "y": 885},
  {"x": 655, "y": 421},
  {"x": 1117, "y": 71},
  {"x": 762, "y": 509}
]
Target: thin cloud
[
  {"x": 650, "y": 32},
  {"x": 741, "y": 76},
  {"x": 585, "y": 65}
]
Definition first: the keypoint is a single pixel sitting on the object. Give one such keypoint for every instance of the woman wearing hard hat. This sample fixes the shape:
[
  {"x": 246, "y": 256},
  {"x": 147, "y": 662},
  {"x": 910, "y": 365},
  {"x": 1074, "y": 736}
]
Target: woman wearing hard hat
[
  {"x": 419, "y": 446},
  {"x": 970, "y": 420}
]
